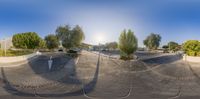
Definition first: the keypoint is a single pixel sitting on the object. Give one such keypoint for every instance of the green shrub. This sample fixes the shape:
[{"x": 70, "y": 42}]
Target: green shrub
[
  {"x": 191, "y": 53},
  {"x": 28, "y": 40},
  {"x": 192, "y": 47}
]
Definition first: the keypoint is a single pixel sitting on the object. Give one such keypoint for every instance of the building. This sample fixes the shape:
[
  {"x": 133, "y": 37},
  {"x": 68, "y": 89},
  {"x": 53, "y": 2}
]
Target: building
[{"x": 6, "y": 43}]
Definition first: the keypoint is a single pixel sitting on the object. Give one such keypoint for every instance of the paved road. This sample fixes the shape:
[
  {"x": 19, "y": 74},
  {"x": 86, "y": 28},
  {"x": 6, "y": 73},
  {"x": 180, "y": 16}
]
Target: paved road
[{"x": 97, "y": 77}]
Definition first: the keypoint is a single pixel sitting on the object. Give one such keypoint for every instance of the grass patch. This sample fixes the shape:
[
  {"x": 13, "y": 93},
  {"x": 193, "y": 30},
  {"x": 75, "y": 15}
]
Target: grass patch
[{"x": 15, "y": 52}]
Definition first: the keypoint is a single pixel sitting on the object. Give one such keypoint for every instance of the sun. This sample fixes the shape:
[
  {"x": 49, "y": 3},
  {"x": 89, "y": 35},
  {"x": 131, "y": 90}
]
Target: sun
[{"x": 99, "y": 38}]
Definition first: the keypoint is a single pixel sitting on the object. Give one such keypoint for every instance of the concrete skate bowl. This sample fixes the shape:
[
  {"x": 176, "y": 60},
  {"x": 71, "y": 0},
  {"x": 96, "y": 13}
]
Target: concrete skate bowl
[
  {"x": 154, "y": 61},
  {"x": 35, "y": 79},
  {"x": 172, "y": 79},
  {"x": 146, "y": 54}
]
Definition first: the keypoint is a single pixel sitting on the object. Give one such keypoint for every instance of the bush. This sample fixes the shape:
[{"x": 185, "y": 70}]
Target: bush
[
  {"x": 28, "y": 40},
  {"x": 192, "y": 47}
]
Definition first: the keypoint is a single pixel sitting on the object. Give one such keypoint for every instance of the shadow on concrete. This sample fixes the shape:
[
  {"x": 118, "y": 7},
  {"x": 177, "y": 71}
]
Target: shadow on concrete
[
  {"x": 60, "y": 62},
  {"x": 40, "y": 64},
  {"x": 91, "y": 85},
  {"x": 195, "y": 74},
  {"x": 87, "y": 88},
  {"x": 146, "y": 53},
  {"x": 163, "y": 59},
  {"x": 111, "y": 52}
]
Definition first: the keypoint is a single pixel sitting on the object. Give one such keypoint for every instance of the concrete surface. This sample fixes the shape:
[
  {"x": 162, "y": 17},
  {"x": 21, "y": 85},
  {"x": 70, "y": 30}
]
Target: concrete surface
[
  {"x": 92, "y": 76},
  {"x": 191, "y": 59},
  {"x": 15, "y": 59}
]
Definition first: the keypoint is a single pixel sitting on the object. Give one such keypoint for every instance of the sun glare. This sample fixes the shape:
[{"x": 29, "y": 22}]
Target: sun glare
[{"x": 99, "y": 38}]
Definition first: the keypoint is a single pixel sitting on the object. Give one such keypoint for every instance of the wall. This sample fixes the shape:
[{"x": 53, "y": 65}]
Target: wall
[{"x": 191, "y": 59}]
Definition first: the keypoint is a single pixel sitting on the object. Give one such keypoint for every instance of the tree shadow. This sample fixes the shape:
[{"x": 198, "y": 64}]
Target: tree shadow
[
  {"x": 111, "y": 52},
  {"x": 144, "y": 53},
  {"x": 86, "y": 88},
  {"x": 163, "y": 59},
  {"x": 91, "y": 85}
]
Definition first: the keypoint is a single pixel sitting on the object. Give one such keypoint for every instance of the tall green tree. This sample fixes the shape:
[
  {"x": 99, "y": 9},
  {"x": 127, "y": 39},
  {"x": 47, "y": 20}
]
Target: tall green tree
[
  {"x": 28, "y": 40},
  {"x": 152, "y": 41},
  {"x": 77, "y": 36},
  {"x": 63, "y": 32},
  {"x": 127, "y": 44},
  {"x": 192, "y": 47},
  {"x": 52, "y": 41},
  {"x": 70, "y": 37}
]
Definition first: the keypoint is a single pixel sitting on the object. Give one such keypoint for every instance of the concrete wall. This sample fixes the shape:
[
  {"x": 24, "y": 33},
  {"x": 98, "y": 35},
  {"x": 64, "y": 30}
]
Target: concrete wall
[
  {"x": 191, "y": 59},
  {"x": 16, "y": 58}
]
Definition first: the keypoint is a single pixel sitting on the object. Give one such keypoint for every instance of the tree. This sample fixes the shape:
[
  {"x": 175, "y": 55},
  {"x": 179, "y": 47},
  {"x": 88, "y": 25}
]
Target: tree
[
  {"x": 111, "y": 45},
  {"x": 70, "y": 37},
  {"x": 42, "y": 44},
  {"x": 77, "y": 36},
  {"x": 192, "y": 47},
  {"x": 28, "y": 40},
  {"x": 52, "y": 41},
  {"x": 173, "y": 46},
  {"x": 152, "y": 41},
  {"x": 127, "y": 44},
  {"x": 85, "y": 46},
  {"x": 63, "y": 32}
]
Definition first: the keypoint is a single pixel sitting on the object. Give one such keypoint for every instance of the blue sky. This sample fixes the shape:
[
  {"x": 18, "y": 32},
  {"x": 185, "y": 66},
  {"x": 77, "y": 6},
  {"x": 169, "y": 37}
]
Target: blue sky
[{"x": 103, "y": 20}]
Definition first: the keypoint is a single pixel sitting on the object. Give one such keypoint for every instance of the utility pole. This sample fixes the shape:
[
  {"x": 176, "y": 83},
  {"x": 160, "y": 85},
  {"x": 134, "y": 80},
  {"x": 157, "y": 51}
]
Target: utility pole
[
  {"x": 99, "y": 48},
  {"x": 5, "y": 46},
  {"x": 170, "y": 47}
]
